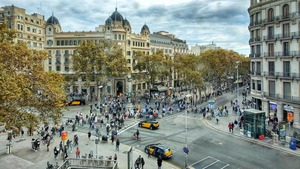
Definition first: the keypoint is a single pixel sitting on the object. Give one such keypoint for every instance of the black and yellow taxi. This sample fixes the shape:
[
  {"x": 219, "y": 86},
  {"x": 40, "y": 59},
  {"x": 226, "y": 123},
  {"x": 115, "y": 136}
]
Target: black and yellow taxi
[
  {"x": 77, "y": 102},
  {"x": 149, "y": 124},
  {"x": 159, "y": 150}
]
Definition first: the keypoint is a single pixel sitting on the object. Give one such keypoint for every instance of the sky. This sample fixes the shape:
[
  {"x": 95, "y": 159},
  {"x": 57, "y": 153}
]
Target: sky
[{"x": 222, "y": 22}]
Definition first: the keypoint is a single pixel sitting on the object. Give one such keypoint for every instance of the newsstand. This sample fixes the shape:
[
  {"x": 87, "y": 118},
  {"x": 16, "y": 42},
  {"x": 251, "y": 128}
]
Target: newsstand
[{"x": 254, "y": 123}]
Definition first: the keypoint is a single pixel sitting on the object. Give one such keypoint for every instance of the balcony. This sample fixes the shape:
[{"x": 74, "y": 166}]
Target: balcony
[
  {"x": 282, "y": 97},
  {"x": 285, "y": 36},
  {"x": 269, "y": 55},
  {"x": 270, "y": 38},
  {"x": 270, "y": 74},
  {"x": 255, "y": 73},
  {"x": 296, "y": 76},
  {"x": 284, "y": 75},
  {"x": 255, "y": 23}
]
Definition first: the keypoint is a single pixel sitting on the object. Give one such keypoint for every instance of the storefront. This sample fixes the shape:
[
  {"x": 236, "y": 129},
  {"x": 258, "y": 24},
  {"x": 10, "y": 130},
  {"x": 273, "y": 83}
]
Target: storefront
[
  {"x": 272, "y": 109},
  {"x": 288, "y": 111}
]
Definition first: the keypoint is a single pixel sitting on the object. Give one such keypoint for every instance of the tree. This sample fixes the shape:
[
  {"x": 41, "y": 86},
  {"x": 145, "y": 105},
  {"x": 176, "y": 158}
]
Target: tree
[
  {"x": 151, "y": 67},
  {"x": 29, "y": 95},
  {"x": 96, "y": 61}
]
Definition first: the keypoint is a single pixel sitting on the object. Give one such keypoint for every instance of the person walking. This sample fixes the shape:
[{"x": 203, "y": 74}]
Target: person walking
[
  {"x": 61, "y": 146},
  {"x": 55, "y": 152},
  {"x": 77, "y": 153},
  {"x": 117, "y": 144},
  {"x": 48, "y": 144},
  {"x": 89, "y": 135},
  {"x": 230, "y": 127},
  {"x": 112, "y": 138},
  {"x": 159, "y": 162},
  {"x": 137, "y": 134},
  {"x": 148, "y": 152},
  {"x": 142, "y": 162}
]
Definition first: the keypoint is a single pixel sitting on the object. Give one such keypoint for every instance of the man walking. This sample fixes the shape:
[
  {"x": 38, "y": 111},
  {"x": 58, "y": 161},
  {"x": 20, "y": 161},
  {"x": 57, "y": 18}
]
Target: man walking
[
  {"x": 117, "y": 144},
  {"x": 89, "y": 135},
  {"x": 159, "y": 162}
]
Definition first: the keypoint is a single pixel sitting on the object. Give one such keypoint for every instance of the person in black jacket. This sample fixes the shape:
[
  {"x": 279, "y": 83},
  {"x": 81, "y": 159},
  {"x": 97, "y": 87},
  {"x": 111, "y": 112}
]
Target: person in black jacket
[{"x": 159, "y": 162}]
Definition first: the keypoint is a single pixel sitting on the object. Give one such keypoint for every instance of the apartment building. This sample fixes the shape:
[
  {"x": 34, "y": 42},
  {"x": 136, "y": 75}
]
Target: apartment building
[{"x": 275, "y": 58}]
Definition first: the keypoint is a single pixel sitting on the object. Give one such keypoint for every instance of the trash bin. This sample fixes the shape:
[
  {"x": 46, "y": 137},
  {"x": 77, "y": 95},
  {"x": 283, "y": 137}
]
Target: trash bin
[
  {"x": 293, "y": 144},
  {"x": 8, "y": 148}
]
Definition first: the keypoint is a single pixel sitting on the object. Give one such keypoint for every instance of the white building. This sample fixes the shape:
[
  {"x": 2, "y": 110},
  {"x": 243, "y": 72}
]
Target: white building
[
  {"x": 275, "y": 57},
  {"x": 198, "y": 49}
]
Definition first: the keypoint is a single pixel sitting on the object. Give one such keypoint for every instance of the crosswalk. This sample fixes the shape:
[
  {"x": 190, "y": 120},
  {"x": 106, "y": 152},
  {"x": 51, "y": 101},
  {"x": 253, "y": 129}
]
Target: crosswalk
[{"x": 209, "y": 163}]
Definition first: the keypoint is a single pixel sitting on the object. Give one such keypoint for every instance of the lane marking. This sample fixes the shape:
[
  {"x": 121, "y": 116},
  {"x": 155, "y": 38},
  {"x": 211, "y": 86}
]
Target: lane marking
[
  {"x": 225, "y": 166},
  {"x": 211, "y": 164},
  {"x": 200, "y": 160},
  {"x": 130, "y": 126}
]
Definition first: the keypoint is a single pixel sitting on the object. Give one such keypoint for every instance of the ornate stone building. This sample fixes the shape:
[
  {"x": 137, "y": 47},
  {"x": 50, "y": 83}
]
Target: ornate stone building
[{"x": 275, "y": 58}]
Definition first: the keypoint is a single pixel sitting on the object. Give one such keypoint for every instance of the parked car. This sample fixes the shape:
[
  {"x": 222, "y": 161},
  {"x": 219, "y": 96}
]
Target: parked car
[
  {"x": 149, "y": 124},
  {"x": 159, "y": 150}
]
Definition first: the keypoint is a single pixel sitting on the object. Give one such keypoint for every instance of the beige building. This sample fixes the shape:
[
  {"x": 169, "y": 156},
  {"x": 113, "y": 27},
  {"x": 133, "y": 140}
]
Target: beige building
[
  {"x": 275, "y": 58},
  {"x": 30, "y": 28},
  {"x": 48, "y": 35}
]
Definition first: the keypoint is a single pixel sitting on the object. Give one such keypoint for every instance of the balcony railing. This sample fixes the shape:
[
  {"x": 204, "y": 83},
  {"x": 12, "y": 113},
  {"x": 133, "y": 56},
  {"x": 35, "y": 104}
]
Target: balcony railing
[
  {"x": 254, "y": 55},
  {"x": 88, "y": 163},
  {"x": 255, "y": 23},
  {"x": 269, "y": 54},
  {"x": 284, "y": 74},
  {"x": 269, "y": 74},
  {"x": 280, "y": 96}
]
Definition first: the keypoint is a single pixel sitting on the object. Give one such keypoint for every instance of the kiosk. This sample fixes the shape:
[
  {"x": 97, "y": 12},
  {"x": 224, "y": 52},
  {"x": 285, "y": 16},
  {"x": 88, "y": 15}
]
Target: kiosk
[{"x": 254, "y": 123}]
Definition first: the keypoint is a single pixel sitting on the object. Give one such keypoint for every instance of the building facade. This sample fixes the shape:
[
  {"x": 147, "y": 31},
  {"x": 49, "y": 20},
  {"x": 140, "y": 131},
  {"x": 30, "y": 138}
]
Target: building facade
[
  {"x": 198, "y": 49},
  {"x": 48, "y": 35},
  {"x": 275, "y": 58}
]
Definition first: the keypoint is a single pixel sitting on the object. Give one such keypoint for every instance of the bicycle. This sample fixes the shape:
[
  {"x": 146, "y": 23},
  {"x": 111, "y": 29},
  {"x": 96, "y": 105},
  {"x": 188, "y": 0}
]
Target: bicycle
[
  {"x": 83, "y": 159},
  {"x": 134, "y": 137}
]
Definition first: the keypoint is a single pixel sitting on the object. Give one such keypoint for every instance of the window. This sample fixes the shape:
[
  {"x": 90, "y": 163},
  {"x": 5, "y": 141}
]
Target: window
[
  {"x": 128, "y": 42},
  {"x": 58, "y": 53},
  {"x": 34, "y": 44},
  {"x": 67, "y": 69},
  {"x": 144, "y": 85},
  {"x": 58, "y": 68},
  {"x": 49, "y": 61},
  {"x": 271, "y": 68},
  {"x": 66, "y": 42},
  {"x": 58, "y": 43},
  {"x": 75, "y": 42},
  {"x": 271, "y": 32},
  {"x": 285, "y": 11},
  {"x": 286, "y": 48},
  {"x": 253, "y": 84},
  {"x": 286, "y": 90},
  {"x": 286, "y": 30},
  {"x": 66, "y": 53},
  {"x": 272, "y": 88},
  {"x": 257, "y": 50},
  {"x": 50, "y": 68},
  {"x": 62, "y": 43},
  {"x": 271, "y": 49},
  {"x": 66, "y": 59},
  {"x": 286, "y": 68},
  {"x": 128, "y": 53},
  {"x": 49, "y": 42},
  {"x": 270, "y": 15},
  {"x": 259, "y": 85},
  {"x": 119, "y": 37},
  {"x": 34, "y": 30},
  {"x": 28, "y": 29},
  {"x": 116, "y": 36},
  {"x": 258, "y": 68},
  {"x": 128, "y": 61}
]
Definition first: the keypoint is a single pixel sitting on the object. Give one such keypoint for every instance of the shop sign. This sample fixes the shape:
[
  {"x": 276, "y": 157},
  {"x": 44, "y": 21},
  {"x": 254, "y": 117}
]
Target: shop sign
[{"x": 290, "y": 116}]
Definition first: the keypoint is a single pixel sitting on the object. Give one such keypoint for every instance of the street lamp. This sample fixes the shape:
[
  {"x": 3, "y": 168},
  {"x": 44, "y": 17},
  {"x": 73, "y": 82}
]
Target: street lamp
[
  {"x": 129, "y": 104},
  {"x": 99, "y": 95},
  {"x": 237, "y": 79}
]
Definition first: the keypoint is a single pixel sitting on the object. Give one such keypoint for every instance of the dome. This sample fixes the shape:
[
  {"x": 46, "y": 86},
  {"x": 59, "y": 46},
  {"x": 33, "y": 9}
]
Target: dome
[
  {"x": 108, "y": 21},
  {"x": 126, "y": 22},
  {"x": 145, "y": 28},
  {"x": 52, "y": 20},
  {"x": 116, "y": 16}
]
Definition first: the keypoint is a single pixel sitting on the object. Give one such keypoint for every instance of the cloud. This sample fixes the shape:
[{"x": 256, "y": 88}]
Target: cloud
[{"x": 197, "y": 21}]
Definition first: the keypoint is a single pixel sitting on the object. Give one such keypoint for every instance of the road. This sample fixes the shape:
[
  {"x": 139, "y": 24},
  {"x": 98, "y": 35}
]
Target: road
[{"x": 208, "y": 148}]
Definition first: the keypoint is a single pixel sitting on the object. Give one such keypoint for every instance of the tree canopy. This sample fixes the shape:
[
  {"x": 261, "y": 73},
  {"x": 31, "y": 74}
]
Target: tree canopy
[
  {"x": 95, "y": 61},
  {"x": 29, "y": 95}
]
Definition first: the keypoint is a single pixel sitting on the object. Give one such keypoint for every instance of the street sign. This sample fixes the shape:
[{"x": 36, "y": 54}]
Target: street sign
[
  {"x": 185, "y": 150},
  {"x": 211, "y": 102}
]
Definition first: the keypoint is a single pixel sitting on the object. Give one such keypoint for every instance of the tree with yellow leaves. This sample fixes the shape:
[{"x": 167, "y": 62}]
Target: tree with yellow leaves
[{"x": 29, "y": 95}]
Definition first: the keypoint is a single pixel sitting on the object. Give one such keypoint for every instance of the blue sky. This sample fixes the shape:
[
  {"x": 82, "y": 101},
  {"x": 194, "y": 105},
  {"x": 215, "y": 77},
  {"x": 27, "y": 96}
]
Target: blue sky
[{"x": 224, "y": 22}]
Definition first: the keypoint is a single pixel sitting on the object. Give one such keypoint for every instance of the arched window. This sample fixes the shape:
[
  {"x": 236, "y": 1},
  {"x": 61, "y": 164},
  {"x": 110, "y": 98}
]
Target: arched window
[
  {"x": 285, "y": 11},
  {"x": 119, "y": 37},
  {"x": 270, "y": 15},
  {"x": 116, "y": 36}
]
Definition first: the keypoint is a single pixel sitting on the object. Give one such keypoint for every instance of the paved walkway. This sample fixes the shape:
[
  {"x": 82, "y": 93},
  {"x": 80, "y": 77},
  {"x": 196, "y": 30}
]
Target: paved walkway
[
  {"x": 23, "y": 157},
  {"x": 222, "y": 127}
]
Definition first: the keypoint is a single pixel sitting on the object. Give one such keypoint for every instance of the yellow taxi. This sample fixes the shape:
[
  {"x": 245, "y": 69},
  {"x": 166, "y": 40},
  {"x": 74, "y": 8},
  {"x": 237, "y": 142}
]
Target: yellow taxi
[
  {"x": 159, "y": 150},
  {"x": 149, "y": 124},
  {"x": 77, "y": 102}
]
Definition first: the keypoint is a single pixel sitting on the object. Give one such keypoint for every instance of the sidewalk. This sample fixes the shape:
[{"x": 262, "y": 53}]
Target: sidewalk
[
  {"x": 23, "y": 157},
  {"x": 222, "y": 126}
]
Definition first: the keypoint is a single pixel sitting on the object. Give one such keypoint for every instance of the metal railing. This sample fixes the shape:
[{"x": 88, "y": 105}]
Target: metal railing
[
  {"x": 88, "y": 163},
  {"x": 280, "y": 96}
]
